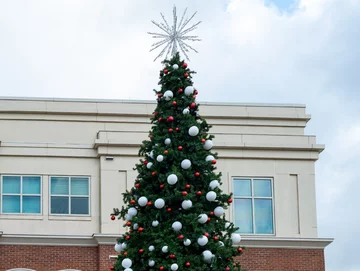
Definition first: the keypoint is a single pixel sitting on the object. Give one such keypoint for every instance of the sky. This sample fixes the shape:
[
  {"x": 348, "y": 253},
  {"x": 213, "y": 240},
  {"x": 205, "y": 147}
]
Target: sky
[{"x": 253, "y": 51}]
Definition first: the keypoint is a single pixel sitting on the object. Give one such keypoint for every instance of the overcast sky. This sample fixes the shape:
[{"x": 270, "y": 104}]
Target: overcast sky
[{"x": 252, "y": 51}]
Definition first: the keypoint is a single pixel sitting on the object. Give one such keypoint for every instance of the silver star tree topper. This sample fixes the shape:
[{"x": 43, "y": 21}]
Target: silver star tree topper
[{"x": 174, "y": 37}]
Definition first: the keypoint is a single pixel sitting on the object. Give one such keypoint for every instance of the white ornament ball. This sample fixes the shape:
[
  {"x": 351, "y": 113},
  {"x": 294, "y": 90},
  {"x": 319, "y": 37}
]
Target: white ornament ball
[
  {"x": 186, "y": 111},
  {"x": 186, "y": 163},
  {"x": 211, "y": 196},
  {"x": 203, "y": 218},
  {"x": 172, "y": 179},
  {"x": 202, "y": 241},
  {"x": 123, "y": 245},
  {"x": 175, "y": 66},
  {"x": 126, "y": 263},
  {"x": 165, "y": 249},
  {"x": 193, "y": 131},
  {"x": 167, "y": 141},
  {"x": 213, "y": 184},
  {"x": 151, "y": 154},
  {"x": 221, "y": 243},
  {"x": 187, "y": 242},
  {"x": 235, "y": 238},
  {"x": 118, "y": 247},
  {"x": 189, "y": 90},
  {"x": 136, "y": 226},
  {"x": 227, "y": 225},
  {"x": 160, "y": 158},
  {"x": 159, "y": 203},
  {"x": 209, "y": 158},
  {"x": 132, "y": 211},
  {"x": 186, "y": 204},
  {"x": 208, "y": 144},
  {"x": 142, "y": 201},
  {"x": 207, "y": 255},
  {"x": 155, "y": 223},
  {"x": 149, "y": 165},
  {"x": 151, "y": 248},
  {"x": 128, "y": 269},
  {"x": 128, "y": 217},
  {"x": 174, "y": 267},
  {"x": 151, "y": 263},
  {"x": 168, "y": 95},
  {"x": 177, "y": 226},
  {"x": 219, "y": 211}
]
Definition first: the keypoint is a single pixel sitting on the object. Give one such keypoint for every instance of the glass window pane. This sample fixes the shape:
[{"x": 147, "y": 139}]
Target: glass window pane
[
  {"x": 263, "y": 216},
  {"x": 60, "y": 185},
  {"x": 80, "y": 186},
  {"x": 79, "y": 206},
  {"x": 31, "y": 185},
  {"x": 11, "y": 204},
  {"x": 243, "y": 215},
  {"x": 31, "y": 204},
  {"x": 262, "y": 188},
  {"x": 59, "y": 205},
  {"x": 242, "y": 188},
  {"x": 11, "y": 185}
]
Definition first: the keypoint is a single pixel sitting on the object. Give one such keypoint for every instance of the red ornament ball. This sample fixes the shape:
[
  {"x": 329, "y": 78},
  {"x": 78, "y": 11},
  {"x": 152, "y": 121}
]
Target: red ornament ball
[
  {"x": 160, "y": 119},
  {"x": 211, "y": 214},
  {"x": 206, "y": 234},
  {"x": 141, "y": 250},
  {"x": 180, "y": 148},
  {"x": 128, "y": 223},
  {"x": 162, "y": 186},
  {"x": 132, "y": 201},
  {"x": 208, "y": 220},
  {"x": 177, "y": 129},
  {"x": 203, "y": 140},
  {"x": 112, "y": 267},
  {"x": 149, "y": 203},
  {"x": 171, "y": 130},
  {"x": 125, "y": 253},
  {"x": 146, "y": 162},
  {"x": 230, "y": 200},
  {"x": 213, "y": 162},
  {"x": 181, "y": 236},
  {"x": 184, "y": 65},
  {"x": 198, "y": 193},
  {"x": 174, "y": 103},
  {"x": 166, "y": 71},
  {"x": 168, "y": 210},
  {"x": 239, "y": 249},
  {"x": 127, "y": 237},
  {"x": 112, "y": 217},
  {"x": 172, "y": 256},
  {"x": 227, "y": 268},
  {"x": 130, "y": 230},
  {"x": 186, "y": 75},
  {"x": 156, "y": 113},
  {"x": 166, "y": 151},
  {"x": 161, "y": 268},
  {"x": 216, "y": 238},
  {"x": 187, "y": 264},
  {"x": 180, "y": 90},
  {"x": 184, "y": 193},
  {"x": 153, "y": 173},
  {"x": 137, "y": 185},
  {"x": 196, "y": 92},
  {"x": 197, "y": 174},
  {"x": 170, "y": 119},
  {"x": 159, "y": 95},
  {"x": 140, "y": 229},
  {"x": 192, "y": 105},
  {"x": 187, "y": 186}
]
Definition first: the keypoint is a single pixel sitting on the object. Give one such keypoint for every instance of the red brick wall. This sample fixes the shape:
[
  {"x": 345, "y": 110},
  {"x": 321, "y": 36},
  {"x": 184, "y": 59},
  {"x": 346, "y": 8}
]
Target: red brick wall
[
  {"x": 54, "y": 258},
  {"x": 282, "y": 259}
]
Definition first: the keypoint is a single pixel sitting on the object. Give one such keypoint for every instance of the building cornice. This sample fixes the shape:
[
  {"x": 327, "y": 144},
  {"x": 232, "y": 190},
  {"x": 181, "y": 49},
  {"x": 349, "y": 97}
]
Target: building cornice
[{"x": 110, "y": 239}]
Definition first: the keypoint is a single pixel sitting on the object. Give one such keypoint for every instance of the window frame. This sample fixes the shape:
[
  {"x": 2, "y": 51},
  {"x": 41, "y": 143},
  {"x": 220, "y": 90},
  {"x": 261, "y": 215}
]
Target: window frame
[
  {"x": 21, "y": 193},
  {"x": 252, "y": 197},
  {"x": 69, "y": 195}
]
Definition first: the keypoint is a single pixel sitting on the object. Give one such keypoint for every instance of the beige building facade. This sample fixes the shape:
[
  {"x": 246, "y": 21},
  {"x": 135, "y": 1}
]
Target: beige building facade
[{"x": 65, "y": 162}]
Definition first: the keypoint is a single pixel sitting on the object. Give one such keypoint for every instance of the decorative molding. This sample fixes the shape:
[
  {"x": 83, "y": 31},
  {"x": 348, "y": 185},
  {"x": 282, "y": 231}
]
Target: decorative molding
[{"x": 110, "y": 239}]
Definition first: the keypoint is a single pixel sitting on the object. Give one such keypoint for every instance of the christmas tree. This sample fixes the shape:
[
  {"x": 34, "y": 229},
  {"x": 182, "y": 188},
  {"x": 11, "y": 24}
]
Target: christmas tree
[{"x": 175, "y": 212}]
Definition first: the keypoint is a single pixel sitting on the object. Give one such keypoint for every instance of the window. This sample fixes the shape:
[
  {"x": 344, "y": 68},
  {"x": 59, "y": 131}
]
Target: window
[
  {"x": 69, "y": 195},
  {"x": 253, "y": 205},
  {"x": 21, "y": 194}
]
